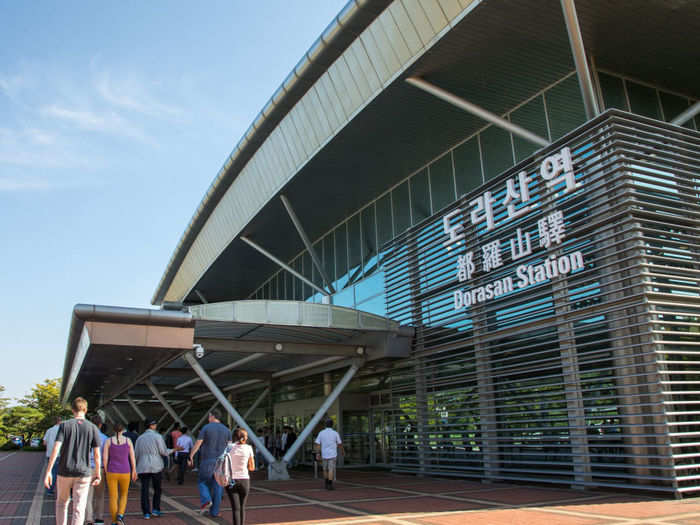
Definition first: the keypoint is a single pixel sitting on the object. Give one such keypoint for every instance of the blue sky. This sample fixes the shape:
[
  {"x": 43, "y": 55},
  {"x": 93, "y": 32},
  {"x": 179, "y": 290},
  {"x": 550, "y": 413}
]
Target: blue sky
[{"x": 114, "y": 119}]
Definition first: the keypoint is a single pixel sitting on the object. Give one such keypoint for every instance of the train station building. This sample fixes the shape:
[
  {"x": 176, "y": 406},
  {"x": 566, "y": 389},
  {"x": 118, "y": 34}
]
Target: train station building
[{"x": 467, "y": 231}]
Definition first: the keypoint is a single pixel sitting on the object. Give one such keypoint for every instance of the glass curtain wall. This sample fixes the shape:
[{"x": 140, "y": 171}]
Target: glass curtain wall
[{"x": 351, "y": 252}]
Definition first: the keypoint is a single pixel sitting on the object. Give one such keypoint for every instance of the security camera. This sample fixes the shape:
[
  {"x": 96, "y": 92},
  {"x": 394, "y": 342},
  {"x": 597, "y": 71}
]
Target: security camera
[{"x": 198, "y": 351}]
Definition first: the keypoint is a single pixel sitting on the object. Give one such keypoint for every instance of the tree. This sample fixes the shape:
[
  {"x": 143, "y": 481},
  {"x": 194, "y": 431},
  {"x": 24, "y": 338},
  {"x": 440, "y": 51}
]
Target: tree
[
  {"x": 23, "y": 421},
  {"x": 45, "y": 400},
  {"x": 3, "y": 410}
]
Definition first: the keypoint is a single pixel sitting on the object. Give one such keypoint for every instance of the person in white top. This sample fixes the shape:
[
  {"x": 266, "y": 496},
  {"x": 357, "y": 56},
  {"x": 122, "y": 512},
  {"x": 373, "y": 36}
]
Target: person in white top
[
  {"x": 49, "y": 440},
  {"x": 327, "y": 446},
  {"x": 241, "y": 463},
  {"x": 185, "y": 444}
]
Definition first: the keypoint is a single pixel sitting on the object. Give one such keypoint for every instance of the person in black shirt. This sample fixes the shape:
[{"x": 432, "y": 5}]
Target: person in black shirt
[{"x": 75, "y": 439}]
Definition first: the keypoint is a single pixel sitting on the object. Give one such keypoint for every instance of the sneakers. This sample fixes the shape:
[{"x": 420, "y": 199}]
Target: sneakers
[
  {"x": 157, "y": 513},
  {"x": 147, "y": 516},
  {"x": 120, "y": 519},
  {"x": 204, "y": 509}
]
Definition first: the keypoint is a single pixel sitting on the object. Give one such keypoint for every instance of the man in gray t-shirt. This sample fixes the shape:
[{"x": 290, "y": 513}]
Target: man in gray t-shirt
[{"x": 211, "y": 443}]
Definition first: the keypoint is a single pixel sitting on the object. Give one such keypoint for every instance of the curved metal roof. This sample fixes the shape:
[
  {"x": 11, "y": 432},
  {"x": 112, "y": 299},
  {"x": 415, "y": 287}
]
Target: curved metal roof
[
  {"x": 356, "y": 116},
  {"x": 351, "y": 20},
  {"x": 360, "y": 54}
]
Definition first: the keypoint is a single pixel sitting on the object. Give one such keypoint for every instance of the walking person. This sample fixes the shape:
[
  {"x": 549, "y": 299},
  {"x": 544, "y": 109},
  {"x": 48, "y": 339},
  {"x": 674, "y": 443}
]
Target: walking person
[
  {"x": 95, "y": 509},
  {"x": 242, "y": 461},
  {"x": 149, "y": 450},
  {"x": 327, "y": 446},
  {"x": 185, "y": 444},
  {"x": 210, "y": 444},
  {"x": 120, "y": 469},
  {"x": 74, "y": 441},
  {"x": 49, "y": 440}
]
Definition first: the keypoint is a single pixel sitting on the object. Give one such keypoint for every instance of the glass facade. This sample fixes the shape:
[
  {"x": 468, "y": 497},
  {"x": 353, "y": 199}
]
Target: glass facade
[{"x": 351, "y": 252}]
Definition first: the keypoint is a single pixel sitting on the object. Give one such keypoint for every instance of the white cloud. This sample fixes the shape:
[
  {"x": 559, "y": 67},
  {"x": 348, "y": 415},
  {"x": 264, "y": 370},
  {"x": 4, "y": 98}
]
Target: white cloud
[
  {"x": 11, "y": 184},
  {"x": 109, "y": 122},
  {"x": 132, "y": 94}
]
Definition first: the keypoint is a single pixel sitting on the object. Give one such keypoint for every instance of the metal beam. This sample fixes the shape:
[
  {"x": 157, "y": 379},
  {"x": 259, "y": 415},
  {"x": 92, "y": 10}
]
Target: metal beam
[
  {"x": 477, "y": 110},
  {"x": 590, "y": 102},
  {"x": 162, "y": 400},
  {"x": 259, "y": 400},
  {"x": 222, "y": 369},
  {"x": 286, "y": 267},
  {"x": 162, "y": 418},
  {"x": 201, "y": 296},
  {"x": 307, "y": 242},
  {"x": 119, "y": 414},
  {"x": 182, "y": 424},
  {"x": 204, "y": 418},
  {"x": 321, "y": 411},
  {"x": 278, "y": 347},
  {"x": 135, "y": 408},
  {"x": 192, "y": 360},
  {"x": 687, "y": 114}
]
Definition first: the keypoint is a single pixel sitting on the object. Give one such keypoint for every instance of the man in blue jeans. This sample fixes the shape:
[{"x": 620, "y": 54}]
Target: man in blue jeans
[{"x": 211, "y": 443}]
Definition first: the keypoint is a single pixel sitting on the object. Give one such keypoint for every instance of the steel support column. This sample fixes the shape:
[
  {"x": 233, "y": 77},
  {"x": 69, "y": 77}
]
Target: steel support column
[
  {"x": 687, "y": 114},
  {"x": 119, "y": 414},
  {"x": 307, "y": 242},
  {"x": 136, "y": 408},
  {"x": 222, "y": 369},
  {"x": 477, "y": 110},
  {"x": 162, "y": 400},
  {"x": 284, "y": 266},
  {"x": 192, "y": 360},
  {"x": 203, "y": 418},
  {"x": 590, "y": 102},
  {"x": 257, "y": 402},
  {"x": 321, "y": 411},
  {"x": 180, "y": 420}
]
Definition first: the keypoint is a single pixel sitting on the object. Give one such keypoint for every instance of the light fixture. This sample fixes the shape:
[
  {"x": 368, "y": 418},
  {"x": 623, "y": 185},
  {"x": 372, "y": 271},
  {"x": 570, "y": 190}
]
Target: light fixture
[
  {"x": 278, "y": 347},
  {"x": 360, "y": 350}
]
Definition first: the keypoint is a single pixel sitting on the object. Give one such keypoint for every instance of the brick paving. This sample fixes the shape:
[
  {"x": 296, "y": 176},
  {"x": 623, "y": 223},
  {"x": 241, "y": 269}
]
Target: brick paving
[{"x": 366, "y": 498}]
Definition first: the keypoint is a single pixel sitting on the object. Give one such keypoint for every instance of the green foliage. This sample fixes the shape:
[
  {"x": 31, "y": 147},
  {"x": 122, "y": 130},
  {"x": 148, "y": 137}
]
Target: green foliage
[
  {"x": 34, "y": 413},
  {"x": 23, "y": 420}
]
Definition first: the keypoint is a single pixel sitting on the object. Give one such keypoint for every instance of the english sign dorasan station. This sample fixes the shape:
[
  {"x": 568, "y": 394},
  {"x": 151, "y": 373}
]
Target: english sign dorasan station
[{"x": 557, "y": 171}]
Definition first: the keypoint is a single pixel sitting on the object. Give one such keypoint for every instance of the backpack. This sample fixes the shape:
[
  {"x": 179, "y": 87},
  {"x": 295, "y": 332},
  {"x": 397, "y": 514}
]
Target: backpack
[{"x": 223, "y": 470}]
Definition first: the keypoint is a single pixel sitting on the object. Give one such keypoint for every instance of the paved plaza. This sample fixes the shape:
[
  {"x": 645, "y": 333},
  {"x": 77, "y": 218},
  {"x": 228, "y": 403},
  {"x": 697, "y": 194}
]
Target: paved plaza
[{"x": 364, "y": 497}]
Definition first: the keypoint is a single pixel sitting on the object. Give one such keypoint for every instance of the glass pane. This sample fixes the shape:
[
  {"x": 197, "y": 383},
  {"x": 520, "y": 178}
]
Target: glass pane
[
  {"x": 308, "y": 273},
  {"x": 673, "y": 106},
  {"x": 370, "y": 287},
  {"x": 442, "y": 185},
  {"x": 298, "y": 283},
  {"x": 530, "y": 116},
  {"x": 369, "y": 240},
  {"x": 376, "y": 306},
  {"x": 345, "y": 298},
  {"x": 643, "y": 100},
  {"x": 565, "y": 107},
  {"x": 401, "y": 208},
  {"x": 279, "y": 278},
  {"x": 496, "y": 150},
  {"x": 289, "y": 286},
  {"x": 420, "y": 196},
  {"x": 384, "y": 226},
  {"x": 467, "y": 166},
  {"x": 329, "y": 256},
  {"x": 354, "y": 248},
  {"x": 613, "y": 92},
  {"x": 341, "y": 256},
  {"x": 271, "y": 289}
]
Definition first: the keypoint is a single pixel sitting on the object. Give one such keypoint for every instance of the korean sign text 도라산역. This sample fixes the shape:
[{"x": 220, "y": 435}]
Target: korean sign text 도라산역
[{"x": 555, "y": 169}]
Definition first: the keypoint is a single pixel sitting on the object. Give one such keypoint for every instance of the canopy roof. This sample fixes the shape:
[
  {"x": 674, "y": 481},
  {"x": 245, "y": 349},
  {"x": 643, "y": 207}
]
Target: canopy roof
[{"x": 246, "y": 344}]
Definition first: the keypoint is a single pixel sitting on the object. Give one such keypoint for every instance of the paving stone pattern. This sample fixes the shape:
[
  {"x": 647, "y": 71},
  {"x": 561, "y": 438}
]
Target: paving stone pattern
[{"x": 367, "y": 498}]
